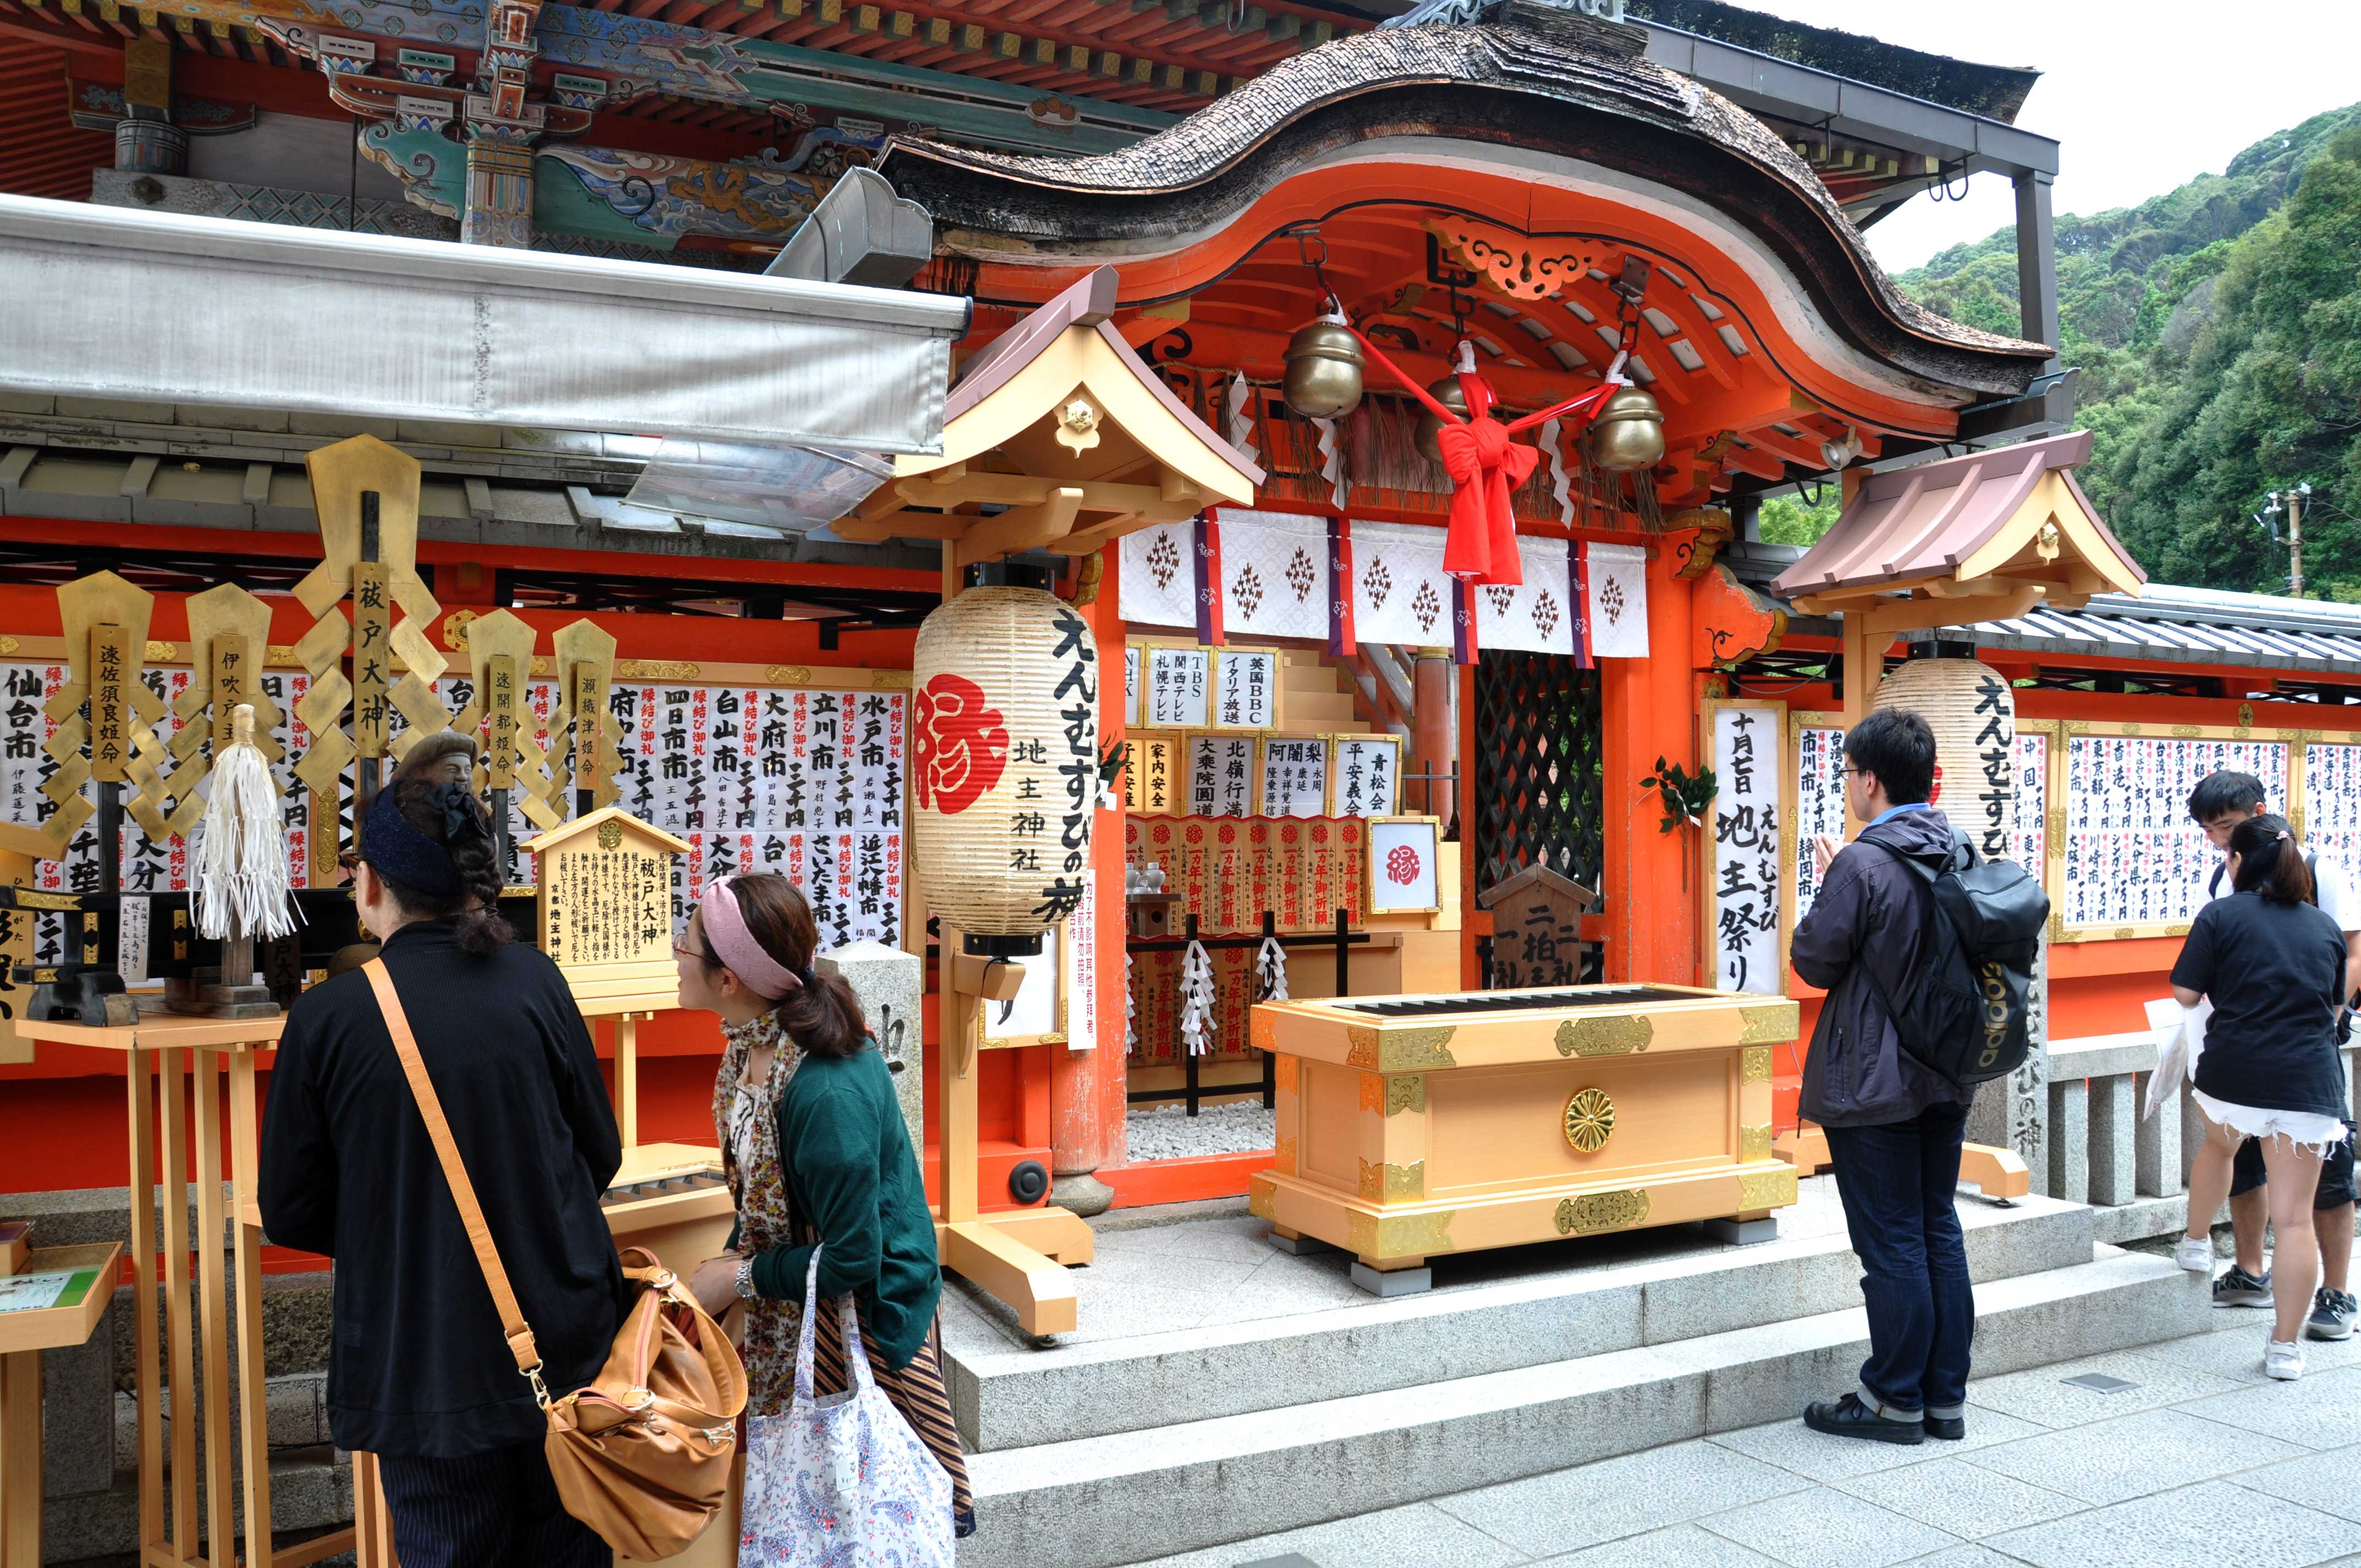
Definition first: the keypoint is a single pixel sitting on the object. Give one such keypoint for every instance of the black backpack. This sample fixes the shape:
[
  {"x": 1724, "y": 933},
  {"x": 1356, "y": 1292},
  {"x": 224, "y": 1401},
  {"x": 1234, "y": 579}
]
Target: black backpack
[{"x": 1967, "y": 1017}]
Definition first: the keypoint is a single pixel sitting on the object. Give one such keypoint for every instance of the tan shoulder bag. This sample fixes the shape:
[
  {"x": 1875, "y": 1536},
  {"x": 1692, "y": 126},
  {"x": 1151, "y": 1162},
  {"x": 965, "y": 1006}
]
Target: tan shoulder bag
[{"x": 642, "y": 1455}]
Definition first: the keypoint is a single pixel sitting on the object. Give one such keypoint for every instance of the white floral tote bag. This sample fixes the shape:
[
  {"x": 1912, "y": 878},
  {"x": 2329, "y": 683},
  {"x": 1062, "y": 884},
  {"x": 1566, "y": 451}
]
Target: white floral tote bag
[{"x": 841, "y": 1481}]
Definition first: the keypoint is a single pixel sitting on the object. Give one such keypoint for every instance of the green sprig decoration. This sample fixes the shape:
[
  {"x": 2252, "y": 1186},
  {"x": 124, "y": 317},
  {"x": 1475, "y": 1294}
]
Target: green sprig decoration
[{"x": 1685, "y": 796}]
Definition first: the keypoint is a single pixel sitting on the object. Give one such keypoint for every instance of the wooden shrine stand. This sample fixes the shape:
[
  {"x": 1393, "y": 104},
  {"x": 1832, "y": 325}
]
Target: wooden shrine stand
[
  {"x": 1956, "y": 543},
  {"x": 1020, "y": 1258},
  {"x": 23, "y": 1336},
  {"x": 172, "y": 1064}
]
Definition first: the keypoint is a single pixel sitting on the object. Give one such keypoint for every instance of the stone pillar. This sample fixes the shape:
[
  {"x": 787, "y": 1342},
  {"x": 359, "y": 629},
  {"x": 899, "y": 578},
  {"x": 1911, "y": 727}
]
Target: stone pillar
[
  {"x": 500, "y": 187},
  {"x": 890, "y": 984},
  {"x": 2012, "y": 1113}
]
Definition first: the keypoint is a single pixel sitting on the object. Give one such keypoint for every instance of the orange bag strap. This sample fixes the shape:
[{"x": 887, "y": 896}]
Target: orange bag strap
[{"x": 463, "y": 1191}]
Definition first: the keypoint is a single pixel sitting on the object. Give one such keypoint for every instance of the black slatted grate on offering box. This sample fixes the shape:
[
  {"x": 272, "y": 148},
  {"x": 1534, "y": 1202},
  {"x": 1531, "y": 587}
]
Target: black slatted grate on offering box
[{"x": 1536, "y": 768}]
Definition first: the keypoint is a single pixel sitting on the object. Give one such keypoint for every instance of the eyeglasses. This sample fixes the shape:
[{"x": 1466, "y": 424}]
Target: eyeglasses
[{"x": 698, "y": 954}]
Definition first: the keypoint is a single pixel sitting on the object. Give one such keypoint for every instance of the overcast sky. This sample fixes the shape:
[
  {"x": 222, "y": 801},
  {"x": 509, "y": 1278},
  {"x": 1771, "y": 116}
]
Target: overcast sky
[{"x": 2144, "y": 94}]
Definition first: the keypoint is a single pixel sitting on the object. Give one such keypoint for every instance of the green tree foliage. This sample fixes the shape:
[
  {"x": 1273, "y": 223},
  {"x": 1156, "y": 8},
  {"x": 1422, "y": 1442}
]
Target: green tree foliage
[{"x": 2218, "y": 329}]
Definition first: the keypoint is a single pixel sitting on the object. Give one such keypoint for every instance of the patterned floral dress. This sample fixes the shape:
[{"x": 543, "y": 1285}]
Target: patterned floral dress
[{"x": 749, "y": 1159}]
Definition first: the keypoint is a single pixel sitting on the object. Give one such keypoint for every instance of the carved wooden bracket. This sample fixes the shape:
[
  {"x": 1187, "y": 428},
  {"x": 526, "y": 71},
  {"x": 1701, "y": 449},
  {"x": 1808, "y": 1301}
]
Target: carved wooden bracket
[
  {"x": 1733, "y": 621},
  {"x": 1516, "y": 264}
]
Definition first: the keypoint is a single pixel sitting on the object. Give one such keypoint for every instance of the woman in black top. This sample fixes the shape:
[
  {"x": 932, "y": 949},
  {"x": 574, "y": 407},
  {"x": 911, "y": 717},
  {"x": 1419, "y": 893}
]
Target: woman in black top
[
  {"x": 2273, "y": 965},
  {"x": 419, "y": 1370}
]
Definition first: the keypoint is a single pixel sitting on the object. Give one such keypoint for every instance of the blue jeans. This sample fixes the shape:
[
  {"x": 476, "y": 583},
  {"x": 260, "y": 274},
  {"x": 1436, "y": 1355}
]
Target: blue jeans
[{"x": 1899, "y": 1184}]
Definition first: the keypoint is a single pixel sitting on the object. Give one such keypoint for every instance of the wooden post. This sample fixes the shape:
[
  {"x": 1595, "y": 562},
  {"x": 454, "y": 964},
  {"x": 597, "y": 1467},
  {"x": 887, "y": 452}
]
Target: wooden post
[
  {"x": 627, "y": 1077},
  {"x": 245, "y": 1219},
  {"x": 20, "y": 1460},
  {"x": 1086, "y": 1088},
  {"x": 139, "y": 1079},
  {"x": 173, "y": 1155},
  {"x": 1647, "y": 711},
  {"x": 213, "y": 1293}
]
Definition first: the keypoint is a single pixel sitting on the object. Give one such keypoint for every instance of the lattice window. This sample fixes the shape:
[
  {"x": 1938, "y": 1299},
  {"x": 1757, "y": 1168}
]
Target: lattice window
[{"x": 1537, "y": 776}]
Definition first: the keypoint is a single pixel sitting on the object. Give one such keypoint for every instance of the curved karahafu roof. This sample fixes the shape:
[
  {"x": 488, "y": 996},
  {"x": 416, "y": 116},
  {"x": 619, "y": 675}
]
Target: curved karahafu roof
[{"x": 1537, "y": 93}]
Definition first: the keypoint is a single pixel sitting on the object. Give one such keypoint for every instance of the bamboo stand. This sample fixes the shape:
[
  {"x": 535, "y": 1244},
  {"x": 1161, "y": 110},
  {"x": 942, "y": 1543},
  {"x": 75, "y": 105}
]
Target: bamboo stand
[{"x": 171, "y": 1066}]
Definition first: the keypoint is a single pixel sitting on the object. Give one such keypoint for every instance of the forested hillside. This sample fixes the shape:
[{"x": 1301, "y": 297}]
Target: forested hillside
[{"x": 2218, "y": 329}]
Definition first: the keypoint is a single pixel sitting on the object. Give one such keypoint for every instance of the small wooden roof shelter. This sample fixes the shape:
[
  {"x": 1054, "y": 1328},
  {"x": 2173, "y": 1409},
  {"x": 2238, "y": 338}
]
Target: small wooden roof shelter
[{"x": 1058, "y": 423}]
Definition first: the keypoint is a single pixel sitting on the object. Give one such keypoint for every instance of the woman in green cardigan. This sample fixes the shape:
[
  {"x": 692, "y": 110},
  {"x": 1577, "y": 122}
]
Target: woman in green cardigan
[{"x": 816, "y": 1156}]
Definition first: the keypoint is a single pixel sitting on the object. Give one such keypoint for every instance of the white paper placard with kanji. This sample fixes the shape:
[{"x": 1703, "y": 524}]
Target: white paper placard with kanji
[
  {"x": 1246, "y": 688},
  {"x": 1294, "y": 775},
  {"x": 1221, "y": 775},
  {"x": 1745, "y": 887},
  {"x": 1364, "y": 775},
  {"x": 1179, "y": 688},
  {"x": 1403, "y": 879}
]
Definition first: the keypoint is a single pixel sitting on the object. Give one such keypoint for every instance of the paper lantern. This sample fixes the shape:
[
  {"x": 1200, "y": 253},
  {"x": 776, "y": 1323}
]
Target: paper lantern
[
  {"x": 1005, "y": 764},
  {"x": 1973, "y": 711}
]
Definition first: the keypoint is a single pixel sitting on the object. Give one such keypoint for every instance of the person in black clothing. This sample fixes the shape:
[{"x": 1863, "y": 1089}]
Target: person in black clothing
[
  {"x": 419, "y": 1371},
  {"x": 1895, "y": 1126},
  {"x": 2274, "y": 966}
]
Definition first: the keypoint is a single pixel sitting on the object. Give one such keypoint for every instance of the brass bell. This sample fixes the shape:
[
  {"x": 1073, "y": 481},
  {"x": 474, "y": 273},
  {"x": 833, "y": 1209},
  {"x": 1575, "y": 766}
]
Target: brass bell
[
  {"x": 1324, "y": 370},
  {"x": 1628, "y": 437},
  {"x": 1429, "y": 429}
]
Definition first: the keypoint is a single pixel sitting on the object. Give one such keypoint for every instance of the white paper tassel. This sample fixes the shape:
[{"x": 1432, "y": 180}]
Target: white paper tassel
[
  {"x": 1560, "y": 482},
  {"x": 1241, "y": 415},
  {"x": 1130, "y": 1011},
  {"x": 1196, "y": 1000},
  {"x": 1270, "y": 966},
  {"x": 1332, "y": 467},
  {"x": 239, "y": 870}
]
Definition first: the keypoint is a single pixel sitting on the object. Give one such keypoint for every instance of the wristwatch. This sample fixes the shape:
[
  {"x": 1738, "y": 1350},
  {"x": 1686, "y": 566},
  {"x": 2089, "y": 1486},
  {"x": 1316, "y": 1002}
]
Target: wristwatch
[{"x": 746, "y": 1290}]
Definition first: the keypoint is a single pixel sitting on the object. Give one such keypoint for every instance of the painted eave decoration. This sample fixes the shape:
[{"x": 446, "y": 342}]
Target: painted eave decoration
[
  {"x": 1058, "y": 423},
  {"x": 1998, "y": 531},
  {"x": 1536, "y": 94}
]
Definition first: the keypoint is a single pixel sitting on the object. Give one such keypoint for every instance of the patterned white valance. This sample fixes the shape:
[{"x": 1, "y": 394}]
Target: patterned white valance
[
  {"x": 1400, "y": 593},
  {"x": 1537, "y": 616},
  {"x": 1274, "y": 574},
  {"x": 1158, "y": 585}
]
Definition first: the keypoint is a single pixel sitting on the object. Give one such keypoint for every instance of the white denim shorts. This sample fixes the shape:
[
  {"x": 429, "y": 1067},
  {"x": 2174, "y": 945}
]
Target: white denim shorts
[{"x": 2306, "y": 1129}]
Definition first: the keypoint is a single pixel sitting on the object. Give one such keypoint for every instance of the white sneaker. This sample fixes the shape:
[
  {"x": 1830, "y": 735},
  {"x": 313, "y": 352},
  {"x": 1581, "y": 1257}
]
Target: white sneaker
[
  {"x": 2195, "y": 1254},
  {"x": 2283, "y": 1359}
]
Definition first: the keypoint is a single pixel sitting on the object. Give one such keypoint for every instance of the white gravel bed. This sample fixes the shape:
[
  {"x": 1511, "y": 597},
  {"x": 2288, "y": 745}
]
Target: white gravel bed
[{"x": 1168, "y": 1132}]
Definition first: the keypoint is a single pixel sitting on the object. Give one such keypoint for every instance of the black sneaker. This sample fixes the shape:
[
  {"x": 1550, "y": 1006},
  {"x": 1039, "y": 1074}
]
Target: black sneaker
[
  {"x": 2236, "y": 1287},
  {"x": 2332, "y": 1314},
  {"x": 1849, "y": 1417},
  {"x": 1950, "y": 1429}
]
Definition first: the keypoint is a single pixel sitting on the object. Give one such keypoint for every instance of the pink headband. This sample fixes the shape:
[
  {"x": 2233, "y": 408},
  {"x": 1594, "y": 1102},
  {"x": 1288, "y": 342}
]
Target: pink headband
[{"x": 726, "y": 934}]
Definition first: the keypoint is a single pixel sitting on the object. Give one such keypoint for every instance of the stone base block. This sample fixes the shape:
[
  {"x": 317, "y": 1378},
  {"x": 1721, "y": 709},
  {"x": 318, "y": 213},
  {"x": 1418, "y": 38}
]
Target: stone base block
[
  {"x": 1393, "y": 1282},
  {"x": 1743, "y": 1233},
  {"x": 1299, "y": 1245}
]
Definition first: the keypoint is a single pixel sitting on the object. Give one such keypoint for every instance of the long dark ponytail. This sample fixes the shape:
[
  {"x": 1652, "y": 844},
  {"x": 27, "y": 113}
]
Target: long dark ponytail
[
  {"x": 822, "y": 1016},
  {"x": 435, "y": 776},
  {"x": 2268, "y": 860}
]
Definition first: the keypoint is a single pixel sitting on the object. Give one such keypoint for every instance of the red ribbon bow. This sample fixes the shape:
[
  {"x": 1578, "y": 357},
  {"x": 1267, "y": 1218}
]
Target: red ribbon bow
[{"x": 1485, "y": 469}]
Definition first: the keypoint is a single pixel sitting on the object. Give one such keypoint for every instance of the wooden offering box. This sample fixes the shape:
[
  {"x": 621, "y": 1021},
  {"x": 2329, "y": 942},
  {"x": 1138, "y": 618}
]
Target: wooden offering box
[{"x": 1415, "y": 1125}]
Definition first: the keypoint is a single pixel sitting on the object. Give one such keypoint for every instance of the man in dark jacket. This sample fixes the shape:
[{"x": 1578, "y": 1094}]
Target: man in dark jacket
[{"x": 1894, "y": 1126}]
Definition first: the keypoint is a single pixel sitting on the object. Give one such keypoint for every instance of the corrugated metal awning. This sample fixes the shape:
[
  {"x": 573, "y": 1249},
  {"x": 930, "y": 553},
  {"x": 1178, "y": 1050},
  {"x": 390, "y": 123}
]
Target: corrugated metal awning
[
  {"x": 162, "y": 308},
  {"x": 2173, "y": 625}
]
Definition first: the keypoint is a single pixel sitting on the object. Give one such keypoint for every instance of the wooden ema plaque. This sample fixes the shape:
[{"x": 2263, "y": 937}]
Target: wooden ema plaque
[{"x": 605, "y": 903}]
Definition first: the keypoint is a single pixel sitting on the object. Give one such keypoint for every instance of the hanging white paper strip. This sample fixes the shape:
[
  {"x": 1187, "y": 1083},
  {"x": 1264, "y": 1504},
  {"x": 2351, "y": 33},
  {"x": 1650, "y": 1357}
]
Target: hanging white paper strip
[
  {"x": 1274, "y": 575},
  {"x": 1158, "y": 587},
  {"x": 1532, "y": 617},
  {"x": 1400, "y": 592},
  {"x": 1618, "y": 601}
]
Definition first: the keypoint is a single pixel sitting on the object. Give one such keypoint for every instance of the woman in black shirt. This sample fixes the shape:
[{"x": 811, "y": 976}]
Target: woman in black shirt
[
  {"x": 2274, "y": 966},
  {"x": 418, "y": 1369}
]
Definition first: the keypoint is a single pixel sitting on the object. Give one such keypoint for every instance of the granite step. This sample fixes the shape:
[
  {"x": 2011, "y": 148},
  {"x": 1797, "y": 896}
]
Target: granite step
[
  {"x": 1539, "y": 1305},
  {"x": 1133, "y": 1495}
]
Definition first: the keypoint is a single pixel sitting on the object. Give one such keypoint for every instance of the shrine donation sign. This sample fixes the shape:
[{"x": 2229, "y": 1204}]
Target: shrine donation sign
[
  {"x": 2132, "y": 856},
  {"x": 1742, "y": 891}
]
